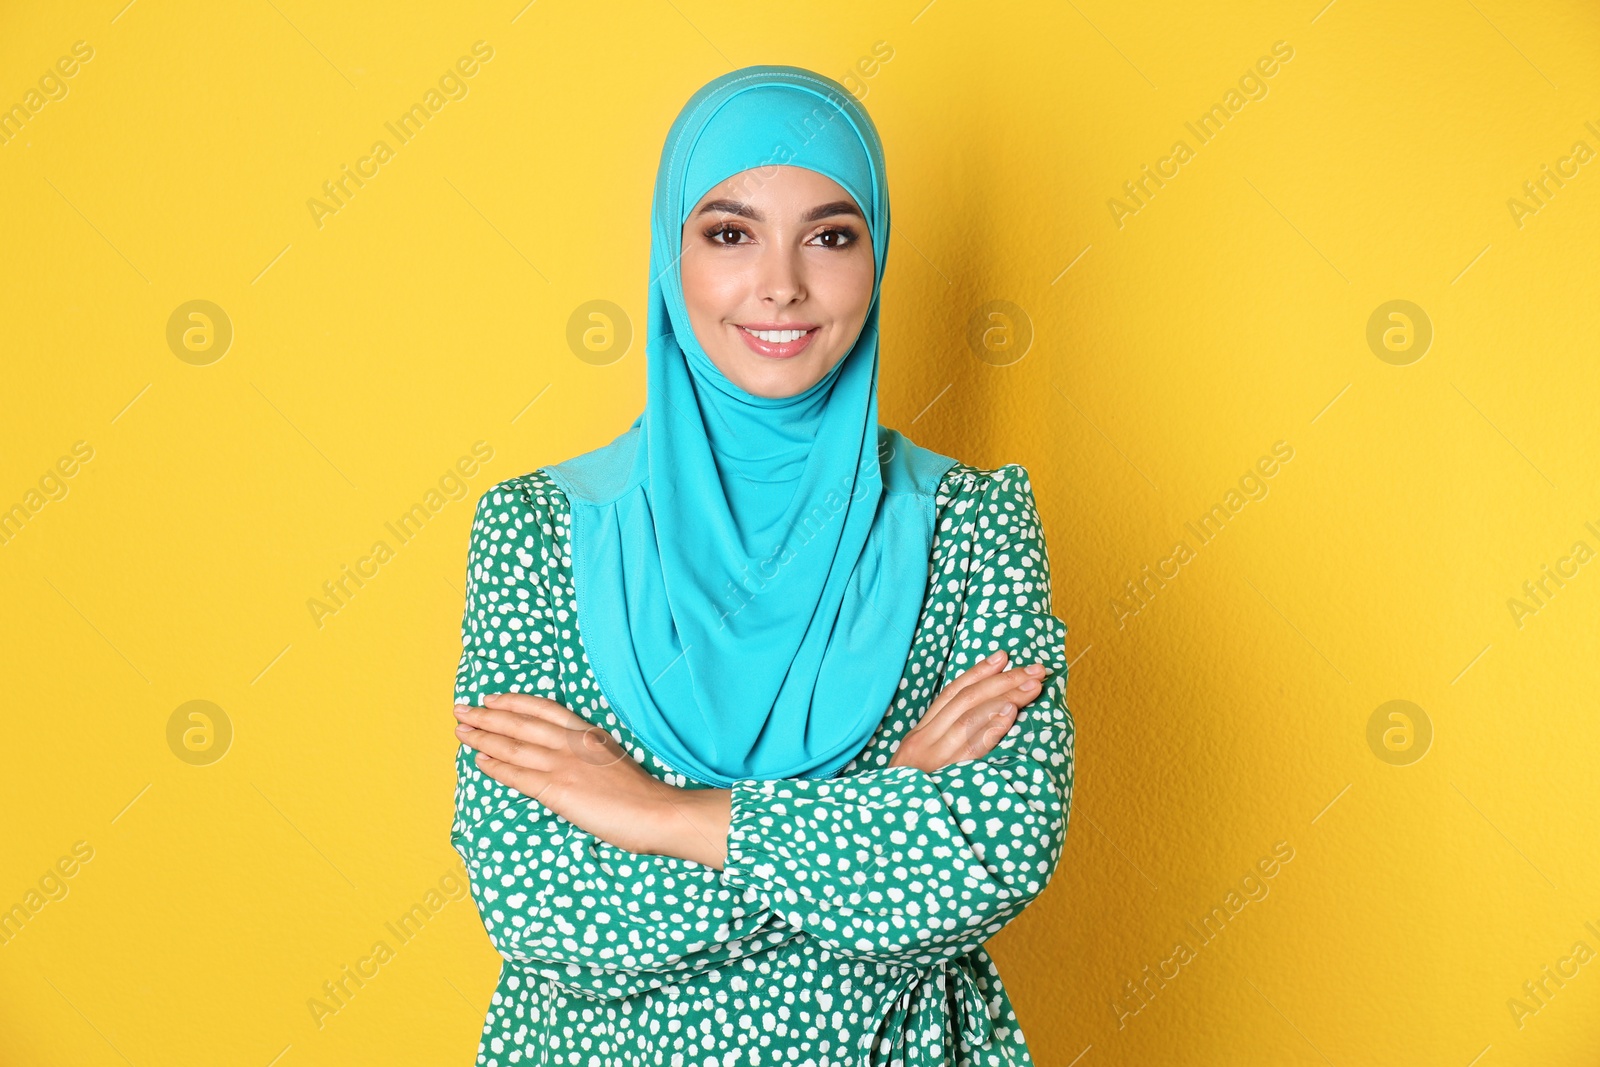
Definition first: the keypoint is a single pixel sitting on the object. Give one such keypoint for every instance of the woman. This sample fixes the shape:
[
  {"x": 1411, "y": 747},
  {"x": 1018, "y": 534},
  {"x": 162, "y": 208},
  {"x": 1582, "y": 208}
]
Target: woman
[{"x": 752, "y": 814}]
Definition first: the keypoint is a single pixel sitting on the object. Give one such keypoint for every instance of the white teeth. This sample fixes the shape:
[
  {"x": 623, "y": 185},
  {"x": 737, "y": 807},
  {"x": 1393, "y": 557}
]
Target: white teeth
[{"x": 777, "y": 337}]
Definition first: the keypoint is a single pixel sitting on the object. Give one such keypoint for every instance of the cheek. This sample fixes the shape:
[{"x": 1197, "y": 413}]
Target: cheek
[
  {"x": 846, "y": 290},
  {"x": 708, "y": 293}
]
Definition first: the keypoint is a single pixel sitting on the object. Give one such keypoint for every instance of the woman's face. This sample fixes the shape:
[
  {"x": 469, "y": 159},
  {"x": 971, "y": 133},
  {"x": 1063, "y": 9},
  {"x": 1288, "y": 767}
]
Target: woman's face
[{"x": 786, "y": 255}]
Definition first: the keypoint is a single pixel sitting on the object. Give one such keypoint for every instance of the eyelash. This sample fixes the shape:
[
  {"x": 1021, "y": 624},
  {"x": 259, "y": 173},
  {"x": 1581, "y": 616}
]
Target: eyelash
[{"x": 725, "y": 227}]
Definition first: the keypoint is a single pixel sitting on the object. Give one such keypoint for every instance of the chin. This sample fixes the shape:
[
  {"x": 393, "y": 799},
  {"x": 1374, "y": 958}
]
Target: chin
[
  {"x": 775, "y": 382},
  {"x": 767, "y": 378}
]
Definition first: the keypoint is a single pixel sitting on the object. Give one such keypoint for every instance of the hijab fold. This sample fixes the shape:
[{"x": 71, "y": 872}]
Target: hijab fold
[{"x": 749, "y": 570}]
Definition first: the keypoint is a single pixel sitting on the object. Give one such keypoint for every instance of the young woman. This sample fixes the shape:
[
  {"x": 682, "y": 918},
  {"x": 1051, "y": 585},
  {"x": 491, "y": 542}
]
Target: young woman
[{"x": 761, "y": 704}]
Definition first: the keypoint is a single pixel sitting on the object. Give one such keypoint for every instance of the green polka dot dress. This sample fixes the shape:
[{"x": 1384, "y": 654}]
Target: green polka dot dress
[{"x": 849, "y": 922}]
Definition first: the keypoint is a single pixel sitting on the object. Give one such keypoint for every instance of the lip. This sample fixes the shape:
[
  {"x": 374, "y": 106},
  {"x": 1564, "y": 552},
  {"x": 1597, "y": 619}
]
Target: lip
[{"x": 787, "y": 350}]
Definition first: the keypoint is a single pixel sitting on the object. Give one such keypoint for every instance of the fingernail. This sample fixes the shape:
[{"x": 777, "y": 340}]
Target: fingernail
[
  {"x": 1029, "y": 686},
  {"x": 1035, "y": 670},
  {"x": 463, "y": 730},
  {"x": 998, "y": 656},
  {"x": 1009, "y": 709},
  {"x": 461, "y": 710}
]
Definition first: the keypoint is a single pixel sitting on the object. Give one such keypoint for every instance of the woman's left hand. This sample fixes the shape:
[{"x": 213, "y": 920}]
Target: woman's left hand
[{"x": 574, "y": 768}]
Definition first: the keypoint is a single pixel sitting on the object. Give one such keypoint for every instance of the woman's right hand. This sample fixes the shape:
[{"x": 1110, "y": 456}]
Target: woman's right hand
[{"x": 970, "y": 715}]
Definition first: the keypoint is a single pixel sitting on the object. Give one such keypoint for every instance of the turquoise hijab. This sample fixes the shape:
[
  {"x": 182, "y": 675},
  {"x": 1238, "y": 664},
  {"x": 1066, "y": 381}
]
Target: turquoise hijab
[{"x": 749, "y": 570}]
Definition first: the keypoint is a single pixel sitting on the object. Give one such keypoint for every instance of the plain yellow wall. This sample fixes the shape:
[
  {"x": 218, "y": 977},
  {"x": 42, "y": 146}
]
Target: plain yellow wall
[{"x": 1176, "y": 340}]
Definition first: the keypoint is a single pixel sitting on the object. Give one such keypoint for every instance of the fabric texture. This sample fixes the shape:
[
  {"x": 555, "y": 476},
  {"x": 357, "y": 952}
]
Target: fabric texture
[
  {"x": 848, "y": 925},
  {"x": 749, "y": 569}
]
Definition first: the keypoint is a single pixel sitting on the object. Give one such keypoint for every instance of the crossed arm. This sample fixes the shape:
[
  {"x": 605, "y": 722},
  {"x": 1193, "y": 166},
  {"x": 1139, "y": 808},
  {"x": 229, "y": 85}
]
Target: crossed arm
[
  {"x": 919, "y": 860},
  {"x": 539, "y": 748}
]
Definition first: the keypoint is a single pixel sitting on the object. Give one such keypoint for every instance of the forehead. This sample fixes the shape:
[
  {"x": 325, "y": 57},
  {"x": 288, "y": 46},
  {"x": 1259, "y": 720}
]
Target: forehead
[
  {"x": 770, "y": 130},
  {"x": 777, "y": 190}
]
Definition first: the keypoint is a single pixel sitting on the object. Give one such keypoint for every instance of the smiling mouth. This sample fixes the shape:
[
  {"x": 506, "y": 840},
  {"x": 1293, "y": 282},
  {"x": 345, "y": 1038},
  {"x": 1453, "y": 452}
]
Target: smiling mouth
[{"x": 778, "y": 344}]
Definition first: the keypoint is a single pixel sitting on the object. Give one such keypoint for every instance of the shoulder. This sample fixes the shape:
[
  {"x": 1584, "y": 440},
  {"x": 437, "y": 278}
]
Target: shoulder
[
  {"x": 524, "y": 511},
  {"x": 534, "y": 493},
  {"x": 992, "y": 493},
  {"x": 988, "y": 513}
]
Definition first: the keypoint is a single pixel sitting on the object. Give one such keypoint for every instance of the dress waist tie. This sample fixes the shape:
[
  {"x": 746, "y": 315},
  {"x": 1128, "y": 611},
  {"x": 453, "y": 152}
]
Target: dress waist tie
[{"x": 921, "y": 1015}]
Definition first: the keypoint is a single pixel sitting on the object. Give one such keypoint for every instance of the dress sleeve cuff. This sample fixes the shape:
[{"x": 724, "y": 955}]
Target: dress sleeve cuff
[{"x": 750, "y": 858}]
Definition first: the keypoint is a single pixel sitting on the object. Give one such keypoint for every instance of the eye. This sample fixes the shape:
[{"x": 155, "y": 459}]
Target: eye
[
  {"x": 716, "y": 234},
  {"x": 836, "y": 237}
]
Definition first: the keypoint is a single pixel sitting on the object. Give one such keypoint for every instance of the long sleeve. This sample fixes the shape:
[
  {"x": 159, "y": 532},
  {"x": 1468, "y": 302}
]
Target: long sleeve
[
  {"x": 896, "y": 864},
  {"x": 558, "y": 902}
]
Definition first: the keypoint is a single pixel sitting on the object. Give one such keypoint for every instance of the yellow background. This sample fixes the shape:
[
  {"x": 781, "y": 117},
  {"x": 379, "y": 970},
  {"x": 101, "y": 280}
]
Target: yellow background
[{"x": 1230, "y": 312}]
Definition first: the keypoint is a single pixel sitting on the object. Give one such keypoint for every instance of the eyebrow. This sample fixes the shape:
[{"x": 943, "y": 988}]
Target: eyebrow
[{"x": 743, "y": 210}]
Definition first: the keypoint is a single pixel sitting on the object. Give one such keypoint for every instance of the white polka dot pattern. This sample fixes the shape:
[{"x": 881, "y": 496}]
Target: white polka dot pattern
[{"x": 848, "y": 924}]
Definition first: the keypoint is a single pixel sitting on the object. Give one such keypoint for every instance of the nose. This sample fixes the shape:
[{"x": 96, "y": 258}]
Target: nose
[{"x": 781, "y": 281}]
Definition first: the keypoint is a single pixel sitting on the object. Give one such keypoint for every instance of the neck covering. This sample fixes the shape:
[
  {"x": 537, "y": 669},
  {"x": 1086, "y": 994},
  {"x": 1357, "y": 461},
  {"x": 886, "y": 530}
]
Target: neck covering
[{"x": 749, "y": 570}]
